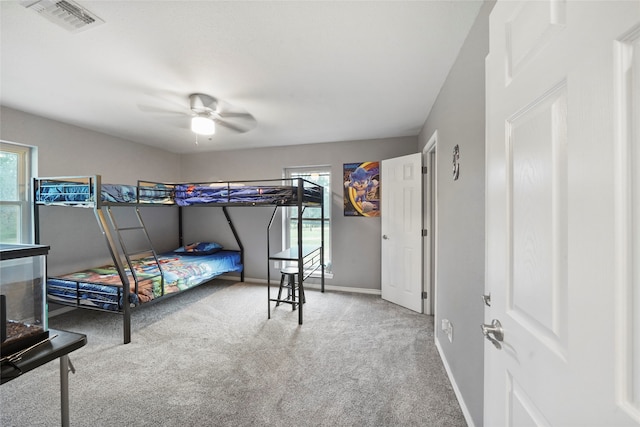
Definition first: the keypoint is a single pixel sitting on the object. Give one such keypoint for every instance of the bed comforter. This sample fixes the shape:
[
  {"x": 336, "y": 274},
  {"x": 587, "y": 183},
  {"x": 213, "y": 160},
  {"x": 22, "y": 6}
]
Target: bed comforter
[
  {"x": 190, "y": 194},
  {"x": 74, "y": 193},
  {"x": 101, "y": 287}
]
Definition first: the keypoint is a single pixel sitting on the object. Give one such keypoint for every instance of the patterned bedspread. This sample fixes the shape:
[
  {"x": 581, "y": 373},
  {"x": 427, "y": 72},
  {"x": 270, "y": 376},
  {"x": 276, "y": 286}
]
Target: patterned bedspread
[
  {"x": 101, "y": 287},
  {"x": 76, "y": 193},
  {"x": 190, "y": 194}
]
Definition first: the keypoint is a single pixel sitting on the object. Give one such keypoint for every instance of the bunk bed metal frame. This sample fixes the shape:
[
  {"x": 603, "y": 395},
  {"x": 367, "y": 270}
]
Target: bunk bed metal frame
[{"x": 309, "y": 261}]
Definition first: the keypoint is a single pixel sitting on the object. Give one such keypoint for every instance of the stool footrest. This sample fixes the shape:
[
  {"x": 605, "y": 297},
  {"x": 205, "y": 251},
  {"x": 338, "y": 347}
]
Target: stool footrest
[{"x": 288, "y": 282}]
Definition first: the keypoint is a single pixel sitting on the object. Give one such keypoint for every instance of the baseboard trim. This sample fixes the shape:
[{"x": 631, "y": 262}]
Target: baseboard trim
[
  {"x": 456, "y": 390},
  {"x": 66, "y": 309},
  {"x": 312, "y": 286},
  {"x": 344, "y": 289}
]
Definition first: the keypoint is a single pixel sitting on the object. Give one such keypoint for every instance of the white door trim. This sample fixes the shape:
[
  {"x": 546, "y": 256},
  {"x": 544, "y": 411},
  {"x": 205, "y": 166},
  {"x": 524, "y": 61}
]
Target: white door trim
[
  {"x": 430, "y": 223},
  {"x": 627, "y": 195}
]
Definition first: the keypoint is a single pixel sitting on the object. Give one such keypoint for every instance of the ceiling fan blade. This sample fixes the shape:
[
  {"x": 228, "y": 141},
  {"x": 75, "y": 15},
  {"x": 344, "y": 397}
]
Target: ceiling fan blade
[
  {"x": 200, "y": 103},
  {"x": 235, "y": 127},
  {"x": 221, "y": 112},
  {"x": 229, "y": 114},
  {"x": 177, "y": 122}
]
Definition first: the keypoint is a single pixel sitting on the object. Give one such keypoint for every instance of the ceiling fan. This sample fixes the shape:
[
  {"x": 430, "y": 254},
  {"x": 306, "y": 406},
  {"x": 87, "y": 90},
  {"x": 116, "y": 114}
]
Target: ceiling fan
[{"x": 207, "y": 112}]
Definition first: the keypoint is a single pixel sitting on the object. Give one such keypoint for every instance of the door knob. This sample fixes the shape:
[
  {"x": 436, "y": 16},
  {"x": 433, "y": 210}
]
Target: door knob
[{"x": 493, "y": 333}]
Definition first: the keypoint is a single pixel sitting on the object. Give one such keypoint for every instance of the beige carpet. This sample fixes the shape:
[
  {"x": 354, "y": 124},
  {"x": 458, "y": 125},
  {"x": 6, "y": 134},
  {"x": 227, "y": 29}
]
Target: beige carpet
[{"x": 210, "y": 357}]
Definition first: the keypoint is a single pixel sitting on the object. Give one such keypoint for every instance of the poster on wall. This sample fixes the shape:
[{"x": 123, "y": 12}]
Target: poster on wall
[{"x": 362, "y": 189}]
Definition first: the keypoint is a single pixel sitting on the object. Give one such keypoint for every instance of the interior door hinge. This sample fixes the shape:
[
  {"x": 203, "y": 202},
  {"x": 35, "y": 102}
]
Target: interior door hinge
[
  {"x": 424, "y": 295},
  {"x": 425, "y": 232},
  {"x": 425, "y": 170}
]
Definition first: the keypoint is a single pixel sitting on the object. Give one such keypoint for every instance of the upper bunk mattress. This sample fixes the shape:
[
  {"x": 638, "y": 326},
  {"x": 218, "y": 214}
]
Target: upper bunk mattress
[
  {"x": 80, "y": 193},
  {"x": 190, "y": 194}
]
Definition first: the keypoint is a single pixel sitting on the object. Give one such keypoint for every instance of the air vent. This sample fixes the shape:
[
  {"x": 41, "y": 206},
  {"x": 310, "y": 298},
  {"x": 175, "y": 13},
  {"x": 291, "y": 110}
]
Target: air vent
[{"x": 65, "y": 13}]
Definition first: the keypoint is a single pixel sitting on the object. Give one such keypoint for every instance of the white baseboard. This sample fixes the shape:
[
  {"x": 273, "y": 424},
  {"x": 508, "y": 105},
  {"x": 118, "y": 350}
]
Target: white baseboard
[
  {"x": 344, "y": 289},
  {"x": 463, "y": 406},
  {"x": 313, "y": 286},
  {"x": 64, "y": 309}
]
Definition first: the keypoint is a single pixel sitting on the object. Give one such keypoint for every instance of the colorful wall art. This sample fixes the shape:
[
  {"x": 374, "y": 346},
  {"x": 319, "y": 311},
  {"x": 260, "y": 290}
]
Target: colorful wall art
[{"x": 362, "y": 189}]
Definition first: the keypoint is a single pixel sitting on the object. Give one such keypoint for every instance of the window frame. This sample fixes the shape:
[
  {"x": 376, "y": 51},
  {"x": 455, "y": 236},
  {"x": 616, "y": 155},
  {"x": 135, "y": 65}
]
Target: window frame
[
  {"x": 25, "y": 168},
  {"x": 295, "y": 172}
]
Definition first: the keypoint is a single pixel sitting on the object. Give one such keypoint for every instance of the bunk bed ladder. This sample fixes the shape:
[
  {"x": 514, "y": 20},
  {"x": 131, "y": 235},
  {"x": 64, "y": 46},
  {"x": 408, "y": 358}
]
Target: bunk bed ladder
[
  {"x": 113, "y": 250},
  {"x": 131, "y": 256}
]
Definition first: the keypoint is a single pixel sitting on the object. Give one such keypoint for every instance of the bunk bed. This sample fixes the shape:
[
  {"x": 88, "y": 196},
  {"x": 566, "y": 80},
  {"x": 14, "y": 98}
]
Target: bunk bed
[{"x": 142, "y": 276}]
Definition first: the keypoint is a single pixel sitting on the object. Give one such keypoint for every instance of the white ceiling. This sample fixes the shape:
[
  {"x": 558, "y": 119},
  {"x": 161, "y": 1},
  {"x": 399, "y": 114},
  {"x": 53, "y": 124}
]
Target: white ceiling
[{"x": 308, "y": 71}]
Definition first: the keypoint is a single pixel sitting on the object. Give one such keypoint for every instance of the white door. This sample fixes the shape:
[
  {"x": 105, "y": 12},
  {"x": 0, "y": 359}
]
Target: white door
[
  {"x": 563, "y": 106},
  {"x": 401, "y": 217}
]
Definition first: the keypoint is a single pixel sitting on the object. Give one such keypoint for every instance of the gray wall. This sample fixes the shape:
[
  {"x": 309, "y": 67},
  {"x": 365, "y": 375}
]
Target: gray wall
[
  {"x": 458, "y": 116},
  {"x": 66, "y": 150},
  {"x": 355, "y": 241}
]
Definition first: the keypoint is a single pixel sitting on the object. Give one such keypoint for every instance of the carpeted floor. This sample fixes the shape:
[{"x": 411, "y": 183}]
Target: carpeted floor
[{"x": 210, "y": 357}]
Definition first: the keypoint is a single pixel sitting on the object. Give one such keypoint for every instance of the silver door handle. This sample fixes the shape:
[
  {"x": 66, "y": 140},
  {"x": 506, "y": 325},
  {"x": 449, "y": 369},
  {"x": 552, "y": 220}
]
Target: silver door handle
[
  {"x": 385, "y": 237},
  {"x": 493, "y": 333}
]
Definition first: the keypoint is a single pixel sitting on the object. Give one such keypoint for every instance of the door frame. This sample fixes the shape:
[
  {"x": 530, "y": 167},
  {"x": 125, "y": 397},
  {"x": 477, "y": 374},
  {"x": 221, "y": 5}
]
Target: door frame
[{"x": 430, "y": 223}]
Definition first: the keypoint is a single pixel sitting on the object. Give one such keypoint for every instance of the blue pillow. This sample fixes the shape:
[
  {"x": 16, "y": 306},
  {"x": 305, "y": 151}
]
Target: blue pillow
[{"x": 199, "y": 248}]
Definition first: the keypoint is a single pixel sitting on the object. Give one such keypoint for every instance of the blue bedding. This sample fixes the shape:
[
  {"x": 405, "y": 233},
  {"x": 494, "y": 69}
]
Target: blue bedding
[
  {"x": 52, "y": 191},
  {"x": 80, "y": 193},
  {"x": 101, "y": 287},
  {"x": 190, "y": 194}
]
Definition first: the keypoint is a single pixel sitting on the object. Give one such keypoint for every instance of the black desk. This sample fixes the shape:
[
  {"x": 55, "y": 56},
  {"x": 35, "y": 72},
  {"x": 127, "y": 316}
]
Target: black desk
[
  {"x": 308, "y": 260},
  {"x": 59, "y": 347}
]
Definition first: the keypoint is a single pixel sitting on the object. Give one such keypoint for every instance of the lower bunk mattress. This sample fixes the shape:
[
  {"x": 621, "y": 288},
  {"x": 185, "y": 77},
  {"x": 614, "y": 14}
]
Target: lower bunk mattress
[{"x": 101, "y": 287}]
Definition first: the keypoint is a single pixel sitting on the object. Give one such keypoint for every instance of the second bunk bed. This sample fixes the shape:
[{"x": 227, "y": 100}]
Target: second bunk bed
[{"x": 139, "y": 276}]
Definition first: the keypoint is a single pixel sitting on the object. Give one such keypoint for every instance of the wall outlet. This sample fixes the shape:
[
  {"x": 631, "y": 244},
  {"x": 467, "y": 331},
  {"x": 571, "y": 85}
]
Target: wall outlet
[{"x": 447, "y": 328}]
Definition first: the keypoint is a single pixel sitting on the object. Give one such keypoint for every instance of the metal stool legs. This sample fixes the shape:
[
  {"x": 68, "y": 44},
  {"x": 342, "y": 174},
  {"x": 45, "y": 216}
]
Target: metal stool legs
[{"x": 288, "y": 280}]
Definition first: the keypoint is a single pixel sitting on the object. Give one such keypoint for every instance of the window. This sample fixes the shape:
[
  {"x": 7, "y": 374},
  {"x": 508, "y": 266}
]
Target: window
[
  {"x": 311, "y": 217},
  {"x": 15, "y": 194}
]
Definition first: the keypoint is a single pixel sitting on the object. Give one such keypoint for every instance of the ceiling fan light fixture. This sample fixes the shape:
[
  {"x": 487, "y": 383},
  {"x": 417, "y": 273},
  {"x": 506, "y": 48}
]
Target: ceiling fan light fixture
[{"x": 203, "y": 125}]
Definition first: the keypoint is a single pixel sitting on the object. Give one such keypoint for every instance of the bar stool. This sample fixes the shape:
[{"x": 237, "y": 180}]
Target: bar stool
[{"x": 288, "y": 281}]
